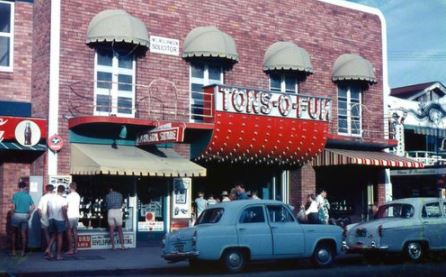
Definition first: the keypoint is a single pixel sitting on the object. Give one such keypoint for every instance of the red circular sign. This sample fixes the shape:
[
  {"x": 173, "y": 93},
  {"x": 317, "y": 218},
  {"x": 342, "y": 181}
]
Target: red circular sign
[
  {"x": 55, "y": 142},
  {"x": 150, "y": 216}
]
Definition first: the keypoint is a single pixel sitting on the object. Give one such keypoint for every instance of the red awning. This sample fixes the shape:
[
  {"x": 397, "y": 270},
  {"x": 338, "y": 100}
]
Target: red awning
[{"x": 332, "y": 157}]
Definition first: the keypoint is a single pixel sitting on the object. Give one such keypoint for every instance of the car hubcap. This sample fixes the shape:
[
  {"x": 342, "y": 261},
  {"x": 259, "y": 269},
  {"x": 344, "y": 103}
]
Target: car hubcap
[
  {"x": 323, "y": 256},
  {"x": 414, "y": 250},
  {"x": 234, "y": 259}
]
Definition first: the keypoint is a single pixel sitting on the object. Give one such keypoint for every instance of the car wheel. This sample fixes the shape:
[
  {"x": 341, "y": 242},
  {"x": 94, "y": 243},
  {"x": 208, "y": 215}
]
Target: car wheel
[
  {"x": 234, "y": 260},
  {"x": 414, "y": 251},
  {"x": 323, "y": 255}
]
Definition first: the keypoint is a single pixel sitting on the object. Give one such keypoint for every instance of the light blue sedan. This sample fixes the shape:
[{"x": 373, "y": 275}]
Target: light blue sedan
[{"x": 246, "y": 230}]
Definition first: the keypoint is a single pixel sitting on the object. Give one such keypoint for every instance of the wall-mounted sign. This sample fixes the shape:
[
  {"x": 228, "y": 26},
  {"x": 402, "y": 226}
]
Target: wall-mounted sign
[
  {"x": 150, "y": 226},
  {"x": 166, "y": 46},
  {"x": 57, "y": 180},
  {"x": 26, "y": 131},
  {"x": 55, "y": 142},
  {"x": 171, "y": 132},
  {"x": 181, "y": 198},
  {"x": 268, "y": 103}
]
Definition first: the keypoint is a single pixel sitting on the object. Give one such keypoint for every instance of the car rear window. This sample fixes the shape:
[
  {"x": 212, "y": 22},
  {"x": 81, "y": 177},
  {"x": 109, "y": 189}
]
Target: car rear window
[
  {"x": 210, "y": 216},
  {"x": 396, "y": 210}
]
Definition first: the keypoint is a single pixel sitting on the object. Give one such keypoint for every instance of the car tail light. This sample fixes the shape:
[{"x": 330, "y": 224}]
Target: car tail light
[{"x": 380, "y": 230}]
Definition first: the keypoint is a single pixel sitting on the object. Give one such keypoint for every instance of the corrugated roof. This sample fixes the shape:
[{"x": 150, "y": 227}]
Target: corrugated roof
[{"x": 409, "y": 91}]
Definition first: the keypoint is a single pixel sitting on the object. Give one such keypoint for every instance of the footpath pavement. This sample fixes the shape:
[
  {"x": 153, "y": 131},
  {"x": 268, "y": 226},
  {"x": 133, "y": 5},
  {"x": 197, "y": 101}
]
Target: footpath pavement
[{"x": 86, "y": 262}]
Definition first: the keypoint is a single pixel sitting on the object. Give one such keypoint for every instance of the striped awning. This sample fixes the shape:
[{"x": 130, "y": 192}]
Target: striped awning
[
  {"x": 14, "y": 146},
  {"x": 333, "y": 157},
  {"x": 428, "y": 131}
]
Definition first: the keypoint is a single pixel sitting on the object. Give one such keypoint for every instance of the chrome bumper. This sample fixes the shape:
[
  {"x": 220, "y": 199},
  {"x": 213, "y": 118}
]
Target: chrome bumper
[
  {"x": 179, "y": 256},
  {"x": 359, "y": 248}
]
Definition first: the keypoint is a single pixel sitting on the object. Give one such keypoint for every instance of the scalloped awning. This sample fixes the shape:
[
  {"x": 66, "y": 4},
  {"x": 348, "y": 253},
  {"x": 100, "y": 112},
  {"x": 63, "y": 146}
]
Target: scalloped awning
[
  {"x": 353, "y": 67},
  {"x": 118, "y": 26},
  {"x": 285, "y": 55},
  {"x": 209, "y": 41}
]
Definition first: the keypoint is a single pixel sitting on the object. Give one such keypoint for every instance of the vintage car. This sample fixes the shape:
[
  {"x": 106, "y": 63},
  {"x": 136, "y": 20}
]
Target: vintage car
[
  {"x": 411, "y": 226},
  {"x": 246, "y": 230}
]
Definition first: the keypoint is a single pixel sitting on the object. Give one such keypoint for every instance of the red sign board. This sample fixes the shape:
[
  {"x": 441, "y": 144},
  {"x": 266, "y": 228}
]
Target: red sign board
[
  {"x": 55, "y": 142},
  {"x": 171, "y": 132},
  {"x": 26, "y": 131}
]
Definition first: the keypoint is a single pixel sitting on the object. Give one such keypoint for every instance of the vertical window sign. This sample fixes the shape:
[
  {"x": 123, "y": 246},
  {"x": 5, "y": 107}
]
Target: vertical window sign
[{"x": 181, "y": 198}]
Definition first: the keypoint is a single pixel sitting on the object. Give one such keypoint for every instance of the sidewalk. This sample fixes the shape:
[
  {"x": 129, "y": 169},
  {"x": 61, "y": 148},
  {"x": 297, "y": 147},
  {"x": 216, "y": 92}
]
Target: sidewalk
[{"x": 87, "y": 262}]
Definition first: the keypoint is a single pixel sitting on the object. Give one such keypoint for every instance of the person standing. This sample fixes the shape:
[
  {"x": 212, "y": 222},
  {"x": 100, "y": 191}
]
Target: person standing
[
  {"x": 113, "y": 202},
  {"x": 22, "y": 208},
  {"x": 200, "y": 203},
  {"x": 312, "y": 211},
  {"x": 42, "y": 209},
  {"x": 225, "y": 196},
  {"x": 324, "y": 207},
  {"x": 241, "y": 193},
  {"x": 211, "y": 200},
  {"x": 57, "y": 215},
  {"x": 74, "y": 201}
]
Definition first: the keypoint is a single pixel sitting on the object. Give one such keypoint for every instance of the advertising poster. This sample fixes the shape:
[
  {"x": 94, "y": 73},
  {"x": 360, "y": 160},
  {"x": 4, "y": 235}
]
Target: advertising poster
[
  {"x": 181, "y": 198},
  {"x": 102, "y": 241}
]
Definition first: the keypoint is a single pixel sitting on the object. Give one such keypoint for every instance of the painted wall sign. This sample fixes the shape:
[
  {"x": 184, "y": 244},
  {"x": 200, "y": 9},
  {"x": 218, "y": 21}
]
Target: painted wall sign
[
  {"x": 171, "y": 132},
  {"x": 268, "y": 103},
  {"x": 166, "y": 46},
  {"x": 55, "y": 142},
  {"x": 26, "y": 131},
  {"x": 102, "y": 240}
]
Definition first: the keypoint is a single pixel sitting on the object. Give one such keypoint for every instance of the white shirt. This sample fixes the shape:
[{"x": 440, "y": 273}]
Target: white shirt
[
  {"x": 55, "y": 207},
  {"x": 43, "y": 207},
  {"x": 74, "y": 201},
  {"x": 313, "y": 208},
  {"x": 320, "y": 200}
]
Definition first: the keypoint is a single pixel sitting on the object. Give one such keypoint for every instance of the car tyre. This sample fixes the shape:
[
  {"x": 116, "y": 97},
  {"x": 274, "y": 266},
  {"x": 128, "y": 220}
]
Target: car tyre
[
  {"x": 323, "y": 255},
  {"x": 415, "y": 251},
  {"x": 234, "y": 260}
]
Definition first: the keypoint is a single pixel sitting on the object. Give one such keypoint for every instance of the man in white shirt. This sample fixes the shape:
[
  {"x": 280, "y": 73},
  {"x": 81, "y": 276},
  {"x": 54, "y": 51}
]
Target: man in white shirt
[
  {"x": 57, "y": 215},
  {"x": 74, "y": 201},
  {"x": 42, "y": 209}
]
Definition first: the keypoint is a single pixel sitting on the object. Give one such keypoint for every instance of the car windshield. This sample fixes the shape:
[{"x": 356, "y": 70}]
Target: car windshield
[
  {"x": 210, "y": 216},
  {"x": 395, "y": 210}
]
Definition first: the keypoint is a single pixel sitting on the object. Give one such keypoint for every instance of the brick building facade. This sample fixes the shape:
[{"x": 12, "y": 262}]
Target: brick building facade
[{"x": 161, "y": 83}]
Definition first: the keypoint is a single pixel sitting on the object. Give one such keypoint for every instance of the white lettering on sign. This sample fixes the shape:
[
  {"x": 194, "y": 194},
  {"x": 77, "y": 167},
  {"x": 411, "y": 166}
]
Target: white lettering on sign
[
  {"x": 158, "y": 136},
  {"x": 257, "y": 102},
  {"x": 2, "y": 133},
  {"x": 162, "y": 45}
]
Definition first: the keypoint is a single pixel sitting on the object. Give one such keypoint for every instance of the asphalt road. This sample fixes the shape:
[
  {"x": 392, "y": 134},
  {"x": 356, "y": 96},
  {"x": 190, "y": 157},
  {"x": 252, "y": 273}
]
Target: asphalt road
[{"x": 356, "y": 266}]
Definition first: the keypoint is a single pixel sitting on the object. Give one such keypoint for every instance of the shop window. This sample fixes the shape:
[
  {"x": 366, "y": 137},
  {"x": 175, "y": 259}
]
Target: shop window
[
  {"x": 279, "y": 214},
  {"x": 349, "y": 110},
  {"x": 6, "y": 34},
  {"x": 202, "y": 74},
  {"x": 114, "y": 83},
  {"x": 283, "y": 83},
  {"x": 432, "y": 210},
  {"x": 252, "y": 215}
]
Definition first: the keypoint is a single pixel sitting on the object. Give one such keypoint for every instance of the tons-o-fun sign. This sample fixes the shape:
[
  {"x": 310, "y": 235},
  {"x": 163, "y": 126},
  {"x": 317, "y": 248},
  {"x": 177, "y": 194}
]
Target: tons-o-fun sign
[{"x": 268, "y": 103}]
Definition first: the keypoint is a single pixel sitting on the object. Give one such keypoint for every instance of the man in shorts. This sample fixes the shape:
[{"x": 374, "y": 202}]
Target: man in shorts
[
  {"x": 22, "y": 208},
  {"x": 74, "y": 201},
  {"x": 113, "y": 201},
  {"x": 42, "y": 209},
  {"x": 57, "y": 215}
]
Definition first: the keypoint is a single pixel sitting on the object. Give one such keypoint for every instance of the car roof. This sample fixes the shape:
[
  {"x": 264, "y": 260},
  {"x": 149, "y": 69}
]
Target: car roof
[
  {"x": 236, "y": 204},
  {"x": 414, "y": 200}
]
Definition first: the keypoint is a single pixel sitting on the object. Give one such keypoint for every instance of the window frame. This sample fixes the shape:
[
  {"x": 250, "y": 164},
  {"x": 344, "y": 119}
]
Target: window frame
[
  {"x": 205, "y": 82},
  {"x": 283, "y": 77},
  {"x": 283, "y": 208},
  {"x": 9, "y": 35},
  {"x": 114, "y": 92},
  {"x": 424, "y": 213},
  {"x": 242, "y": 215},
  {"x": 349, "y": 104}
]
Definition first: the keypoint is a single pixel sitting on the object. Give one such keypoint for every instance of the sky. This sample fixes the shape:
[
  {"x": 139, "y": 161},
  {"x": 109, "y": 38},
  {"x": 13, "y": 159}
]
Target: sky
[{"x": 416, "y": 39}]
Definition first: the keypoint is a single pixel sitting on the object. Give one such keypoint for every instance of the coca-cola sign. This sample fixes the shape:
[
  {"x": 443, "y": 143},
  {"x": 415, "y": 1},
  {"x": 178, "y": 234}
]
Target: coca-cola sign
[
  {"x": 268, "y": 103},
  {"x": 26, "y": 131}
]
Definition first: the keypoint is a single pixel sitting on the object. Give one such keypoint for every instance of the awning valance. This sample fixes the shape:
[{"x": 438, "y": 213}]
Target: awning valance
[
  {"x": 93, "y": 159},
  {"x": 285, "y": 55},
  {"x": 117, "y": 26},
  {"x": 353, "y": 67},
  {"x": 209, "y": 41},
  {"x": 14, "y": 146},
  {"x": 428, "y": 131},
  {"x": 333, "y": 157}
]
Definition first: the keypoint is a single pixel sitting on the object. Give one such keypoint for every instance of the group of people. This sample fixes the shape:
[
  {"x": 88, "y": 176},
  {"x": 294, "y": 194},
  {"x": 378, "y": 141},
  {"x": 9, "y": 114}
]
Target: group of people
[
  {"x": 59, "y": 215},
  {"x": 316, "y": 210},
  {"x": 238, "y": 192}
]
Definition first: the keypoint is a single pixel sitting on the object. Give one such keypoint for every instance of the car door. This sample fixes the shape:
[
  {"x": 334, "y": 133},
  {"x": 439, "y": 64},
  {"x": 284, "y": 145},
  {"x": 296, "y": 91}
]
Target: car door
[
  {"x": 434, "y": 225},
  {"x": 254, "y": 232},
  {"x": 288, "y": 236}
]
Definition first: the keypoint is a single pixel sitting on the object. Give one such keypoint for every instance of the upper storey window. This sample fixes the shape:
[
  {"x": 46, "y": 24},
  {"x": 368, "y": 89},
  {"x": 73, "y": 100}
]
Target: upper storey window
[
  {"x": 283, "y": 83},
  {"x": 349, "y": 110},
  {"x": 115, "y": 83},
  {"x": 6, "y": 34}
]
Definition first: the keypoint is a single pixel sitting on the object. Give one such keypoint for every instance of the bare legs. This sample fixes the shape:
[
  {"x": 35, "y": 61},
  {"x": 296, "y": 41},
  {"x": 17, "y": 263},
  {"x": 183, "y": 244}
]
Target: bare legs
[
  {"x": 23, "y": 235},
  {"x": 120, "y": 234},
  {"x": 72, "y": 241}
]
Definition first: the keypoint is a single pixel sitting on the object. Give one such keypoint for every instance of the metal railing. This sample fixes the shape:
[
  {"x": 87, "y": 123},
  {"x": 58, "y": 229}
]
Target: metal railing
[{"x": 428, "y": 158}]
